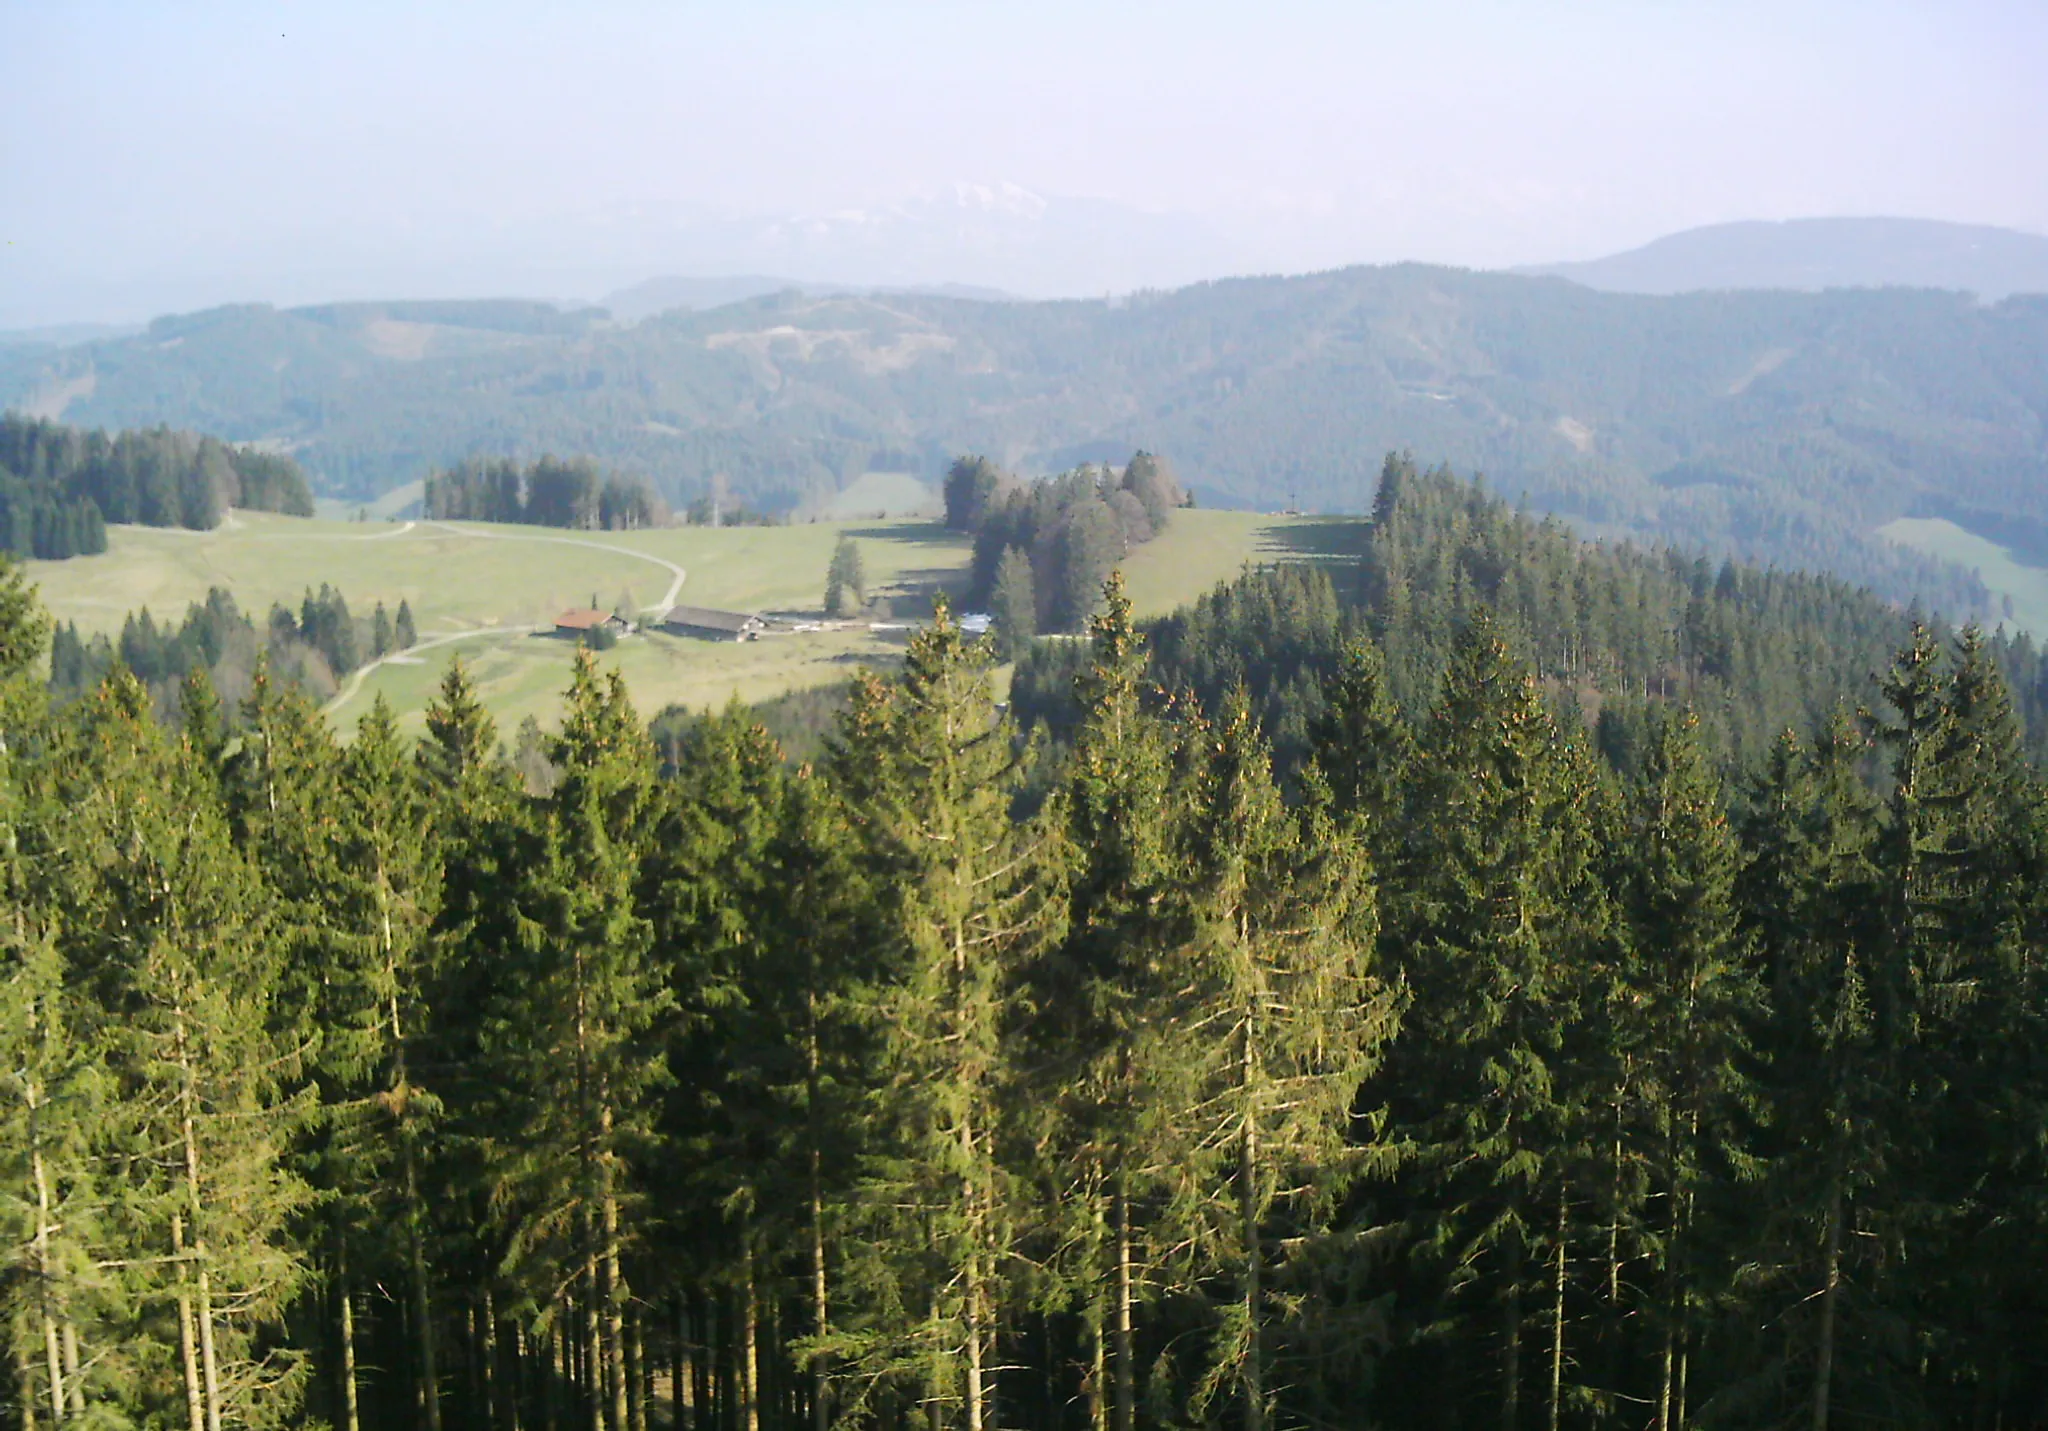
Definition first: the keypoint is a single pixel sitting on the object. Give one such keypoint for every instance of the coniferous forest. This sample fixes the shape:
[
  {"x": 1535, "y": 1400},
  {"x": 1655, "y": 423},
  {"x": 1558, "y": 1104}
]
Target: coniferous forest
[
  {"x": 1331, "y": 1007},
  {"x": 60, "y": 486}
]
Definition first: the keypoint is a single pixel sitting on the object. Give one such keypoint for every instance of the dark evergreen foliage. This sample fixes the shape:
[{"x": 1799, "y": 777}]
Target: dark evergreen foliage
[
  {"x": 547, "y": 492},
  {"x": 313, "y": 649},
  {"x": 60, "y": 486},
  {"x": 1060, "y": 536},
  {"x": 964, "y": 1079}
]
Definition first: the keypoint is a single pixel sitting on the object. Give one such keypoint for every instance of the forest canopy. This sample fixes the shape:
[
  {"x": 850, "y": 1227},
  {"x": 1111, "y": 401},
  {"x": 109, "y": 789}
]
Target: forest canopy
[
  {"x": 60, "y": 486},
  {"x": 1478, "y": 1060}
]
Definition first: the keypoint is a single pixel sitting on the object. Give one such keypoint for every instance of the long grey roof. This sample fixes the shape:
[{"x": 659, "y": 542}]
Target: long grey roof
[{"x": 709, "y": 619}]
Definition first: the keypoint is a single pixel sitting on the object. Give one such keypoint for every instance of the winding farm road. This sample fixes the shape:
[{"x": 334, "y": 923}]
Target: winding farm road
[
  {"x": 355, "y": 680},
  {"x": 351, "y": 687}
]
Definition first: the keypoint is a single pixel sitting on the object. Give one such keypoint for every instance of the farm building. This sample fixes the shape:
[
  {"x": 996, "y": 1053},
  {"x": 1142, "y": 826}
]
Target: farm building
[
  {"x": 709, "y": 625},
  {"x": 582, "y": 620}
]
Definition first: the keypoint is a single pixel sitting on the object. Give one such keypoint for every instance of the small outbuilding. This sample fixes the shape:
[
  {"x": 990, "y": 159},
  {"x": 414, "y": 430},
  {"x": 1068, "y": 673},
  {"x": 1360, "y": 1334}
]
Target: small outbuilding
[
  {"x": 707, "y": 624},
  {"x": 581, "y": 621}
]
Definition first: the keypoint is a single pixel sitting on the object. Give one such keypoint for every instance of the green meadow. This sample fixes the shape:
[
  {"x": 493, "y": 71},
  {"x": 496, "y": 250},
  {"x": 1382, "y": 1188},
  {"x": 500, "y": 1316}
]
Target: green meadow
[
  {"x": 2025, "y": 587},
  {"x": 480, "y": 590}
]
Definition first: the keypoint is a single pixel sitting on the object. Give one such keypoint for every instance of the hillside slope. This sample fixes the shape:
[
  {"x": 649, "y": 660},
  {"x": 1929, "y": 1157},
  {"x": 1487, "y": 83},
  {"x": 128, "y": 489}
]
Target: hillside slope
[
  {"x": 1781, "y": 427},
  {"x": 1814, "y": 254}
]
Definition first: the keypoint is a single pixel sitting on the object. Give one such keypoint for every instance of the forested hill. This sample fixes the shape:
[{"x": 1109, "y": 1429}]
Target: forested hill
[
  {"x": 1781, "y": 427},
  {"x": 60, "y": 486},
  {"x": 1616, "y": 632}
]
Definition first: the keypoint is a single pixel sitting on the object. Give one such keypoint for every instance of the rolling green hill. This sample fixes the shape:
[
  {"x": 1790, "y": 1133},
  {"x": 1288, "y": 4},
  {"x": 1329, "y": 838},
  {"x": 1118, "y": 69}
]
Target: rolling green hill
[
  {"x": 1781, "y": 427},
  {"x": 480, "y": 590}
]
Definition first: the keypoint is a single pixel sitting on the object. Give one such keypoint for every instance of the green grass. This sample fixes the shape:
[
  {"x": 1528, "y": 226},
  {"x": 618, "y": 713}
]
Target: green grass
[
  {"x": 1200, "y": 548},
  {"x": 482, "y": 585},
  {"x": 400, "y": 501},
  {"x": 896, "y": 493},
  {"x": 2024, "y": 587}
]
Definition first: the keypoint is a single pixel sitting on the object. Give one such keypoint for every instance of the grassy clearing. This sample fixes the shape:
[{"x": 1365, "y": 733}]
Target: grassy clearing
[
  {"x": 897, "y": 494},
  {"x": 489, "y": 583},
  {"x": 2024, "y": 587},
  {"x": 1200, "y": 548}
]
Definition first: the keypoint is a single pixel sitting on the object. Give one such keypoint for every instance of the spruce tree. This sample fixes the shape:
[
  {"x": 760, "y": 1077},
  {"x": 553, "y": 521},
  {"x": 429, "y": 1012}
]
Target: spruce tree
[
  {"x": 1813, "y": 894},
  {"x": 1013, "y": 604},
  {"x": 1498, "y": 919},
  {"x": 1362, "y": 744},
  {"x": 845, "y": 579},
  {"x": 1682, "y": 1027},
  {"x": 1282, "y": 1018},
  {"x": 173, "y": 933},
  {"x": 1100, "y": 996},
  {"x": 380, "y": 906},
  {"x": 574, "y": 1033},
  {"x": 929, "y": 772}
]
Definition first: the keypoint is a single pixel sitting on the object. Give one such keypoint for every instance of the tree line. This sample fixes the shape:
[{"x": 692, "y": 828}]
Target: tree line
[
  {"x": 1614, "y": 631},
  {"x": 311, "y": 648},
  {"x": 60, "y": 486},
  {"x": 954, "y": 1080},
  {"x": 547, "y": 492},
  {"x": 1043, "y": 548}
]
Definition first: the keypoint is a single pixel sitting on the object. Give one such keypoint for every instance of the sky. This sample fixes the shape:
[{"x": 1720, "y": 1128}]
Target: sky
[{"x": 159, "y": 157}]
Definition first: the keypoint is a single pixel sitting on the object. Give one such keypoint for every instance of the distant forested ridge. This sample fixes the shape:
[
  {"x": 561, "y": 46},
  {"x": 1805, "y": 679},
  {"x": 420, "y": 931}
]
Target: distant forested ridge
[
  {"x": 1780, "y": 428},
  {"x": 957, "y": 1079},
  {"x": 548, "y": 492},
  {"x": 60, "y": 486},
  {"x": 1615, "y": 632}
]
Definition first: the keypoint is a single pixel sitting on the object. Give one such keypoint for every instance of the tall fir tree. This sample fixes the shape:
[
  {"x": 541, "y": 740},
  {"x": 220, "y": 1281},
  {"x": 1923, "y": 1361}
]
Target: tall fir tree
[
  {"x": 930, "y": 774},
  {"x": 1281, "y": 1020},
  {"x": 1497, "y": 917},
  {"x": 575, "y": 1033}
]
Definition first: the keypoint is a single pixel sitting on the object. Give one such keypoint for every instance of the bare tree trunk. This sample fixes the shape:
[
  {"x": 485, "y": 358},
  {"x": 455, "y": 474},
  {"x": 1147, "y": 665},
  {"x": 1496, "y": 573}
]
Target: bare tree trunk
[
  {"x": 209, "y": 1365},
  {"x": 487, "y": 1354},
  {"x": 188, "y": 1336},
  {"x": 519, "y": 1384},
  {"x": 682, "y": 1378},
  {"x": 345, "y": 1296},
  {"x": 1557, "y": 1313},
  {"x": 416, "y": 1260},
  {"x": 701, "y": 1395},
  {"x": 592, "y": 1360},
  {"x": 615, "y": 1371},
  {"x": 1126, "y": 1356},
  {"x": 25, "y": 1383},
  {"x": 976, "y": 1389},
  {"x": 551, "y": 1376},
  {"x": 935, "y": 1384},
  {"x": 636, "y": 1362},
  {"x": 1831, "y": 1277},
  {"x": 821, "y": 1320},
  {"x": 1248, "y": 1211},
  {"x": 750, "y": 1363},
  {"x": 1511, "y": 1326},
  {"x": 45, "y": 1278},
  {"x": 1095, "y": 1381}
]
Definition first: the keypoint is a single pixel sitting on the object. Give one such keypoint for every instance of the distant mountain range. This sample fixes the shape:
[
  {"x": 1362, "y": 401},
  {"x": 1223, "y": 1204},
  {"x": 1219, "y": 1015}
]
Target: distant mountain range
[
  {"x": 1814, "y": 254},
  {"x": 1785, "y": 427},
  {"x": 667, "y": 295}
]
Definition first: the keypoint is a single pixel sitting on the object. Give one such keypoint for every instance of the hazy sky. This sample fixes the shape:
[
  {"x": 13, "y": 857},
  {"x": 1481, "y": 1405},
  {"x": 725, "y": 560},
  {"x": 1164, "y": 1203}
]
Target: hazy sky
[{"x": 170, "y": 155}]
